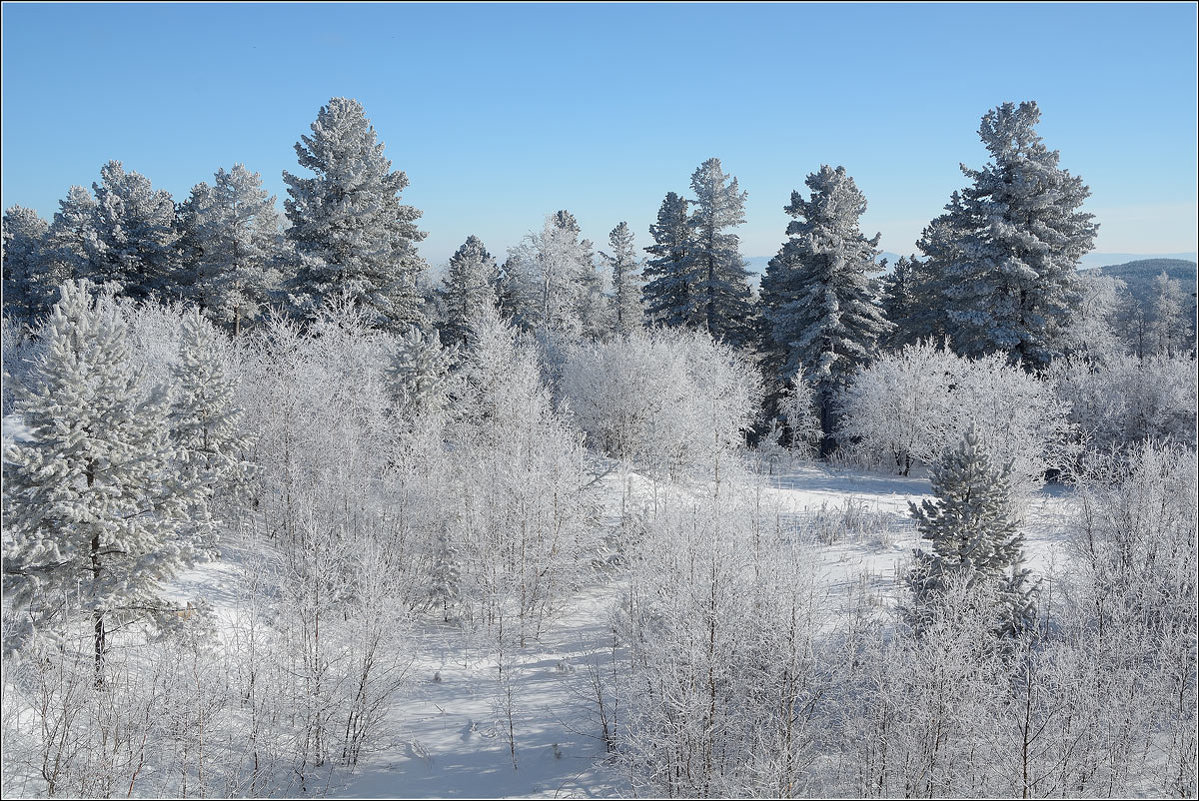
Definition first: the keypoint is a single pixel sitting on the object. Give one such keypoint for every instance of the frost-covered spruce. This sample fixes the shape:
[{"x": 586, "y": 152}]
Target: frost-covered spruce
[
  {"x": 469, "y": 287},
  {"x": 974, "y": 534},
  {"x": 445, "y": 582},
  {"x": 92, "y": 506},
  {"x": 351, "y": 231},
  {"x": 668, "y": 294},
  {"x": 1006, "y": 251},
  {"x": 136, "y": 236},
  {"x": 206, "y": 420},
  {"x": 626, "y": 314},
  {"x": 27, "y": 285},
  {"x": 232, "y": 245},
  {"x": 822, "y": 314},
  {"x": 722, "y": 282}
]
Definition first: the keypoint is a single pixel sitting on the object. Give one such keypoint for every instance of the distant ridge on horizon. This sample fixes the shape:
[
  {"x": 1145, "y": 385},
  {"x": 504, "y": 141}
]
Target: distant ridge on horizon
[{"x": 757, "y": 264}]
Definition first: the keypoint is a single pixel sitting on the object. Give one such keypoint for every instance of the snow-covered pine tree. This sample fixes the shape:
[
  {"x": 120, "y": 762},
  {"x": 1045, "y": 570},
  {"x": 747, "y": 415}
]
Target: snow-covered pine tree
[
  {"x": 626, "y": 314},
  {"x": 206, "y": 424},
  {"x": 72, "y": 242},
  {"x": 1006, "y": 251},
  {"x": 136, "y": 235},
  {"x": 823, "y": 317},
  {"x": 351, "y": 231},
  {"x": 974, "y": 533},
  {"x": 92, "y": 507},
  {"x": 469, "y": 286},
  {"x": 232, "y": 241},
  {"x": 668, "y": 294},
  {"x": 903, "y": 302},
  {"x": 722, "y": 282},
  {"x": 27, "y": 285}
]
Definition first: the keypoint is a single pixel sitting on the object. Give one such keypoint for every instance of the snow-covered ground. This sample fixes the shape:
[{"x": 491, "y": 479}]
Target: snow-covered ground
[{"x": 448, "y": 734}]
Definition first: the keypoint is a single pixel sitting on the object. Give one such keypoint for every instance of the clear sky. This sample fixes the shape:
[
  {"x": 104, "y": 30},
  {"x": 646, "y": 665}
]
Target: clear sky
[{"x": 501, "y": 114}]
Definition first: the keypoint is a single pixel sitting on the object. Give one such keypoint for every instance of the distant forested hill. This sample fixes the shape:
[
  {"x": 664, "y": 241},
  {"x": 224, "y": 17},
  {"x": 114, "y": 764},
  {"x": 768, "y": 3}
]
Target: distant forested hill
[{"x": 1139, "y": 275}]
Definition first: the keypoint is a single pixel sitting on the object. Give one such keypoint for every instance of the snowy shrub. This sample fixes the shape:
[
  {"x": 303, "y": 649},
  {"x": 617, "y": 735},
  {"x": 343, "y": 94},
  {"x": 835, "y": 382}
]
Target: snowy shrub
[
  {"x": 1092, "y": 331},
  {"x": 725, "y": 673},
  {"x": 1126, "y": 399},
  {"x": 515, "y": 509},
  {"x": 18, "y": 350},
  {"x": 915, "y": 405},
  {"x": 667, "y": 401}
]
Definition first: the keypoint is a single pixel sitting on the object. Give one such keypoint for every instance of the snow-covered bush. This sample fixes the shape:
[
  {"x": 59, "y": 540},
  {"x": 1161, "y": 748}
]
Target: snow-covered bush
[
  {"x": 667, "y": 401},
  {"x": 1126, "y": 399},
  {"x": 514, "y": 504},
  {"x": 914, "y": 406},
  {"x": 17, "y": 349},
  {"x": 725, "y": 676}
]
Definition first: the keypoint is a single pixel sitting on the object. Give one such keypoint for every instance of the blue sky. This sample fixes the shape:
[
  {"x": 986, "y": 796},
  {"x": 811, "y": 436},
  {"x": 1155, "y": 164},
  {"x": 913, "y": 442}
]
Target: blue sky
[{"x": 501, "y": 114}]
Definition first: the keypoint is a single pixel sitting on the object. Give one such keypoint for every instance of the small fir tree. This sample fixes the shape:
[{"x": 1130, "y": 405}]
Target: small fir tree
[
  {"x": 232, "y": 243},
  {"x": 974, "y": 535},
  {"x": 72, "y": 243},
  {"x": 419, "y": 373},
  {"x": 206, "y": 423}
]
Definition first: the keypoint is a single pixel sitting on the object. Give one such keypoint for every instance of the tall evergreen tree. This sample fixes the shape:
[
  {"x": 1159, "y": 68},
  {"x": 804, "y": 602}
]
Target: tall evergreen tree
[
  {"x": 232, "y": 243},
  {"x": 823, "y": 318},
  {"x": 468, "y": 288},
  {"x": 626, "y": 282},
  {"x": 974, "y": 535},
  {"x": 1006, "y": 251},
  {"x": 27, "y": 285},
  {"x": 722, "y": 282},
  {"x": 92, "y": 504},
  {"x": 903, "y": 303},
  {"x": 668, "y": 293},
  {"x": 352, "y": 233},
  {"x": 136, "y": 235}
]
